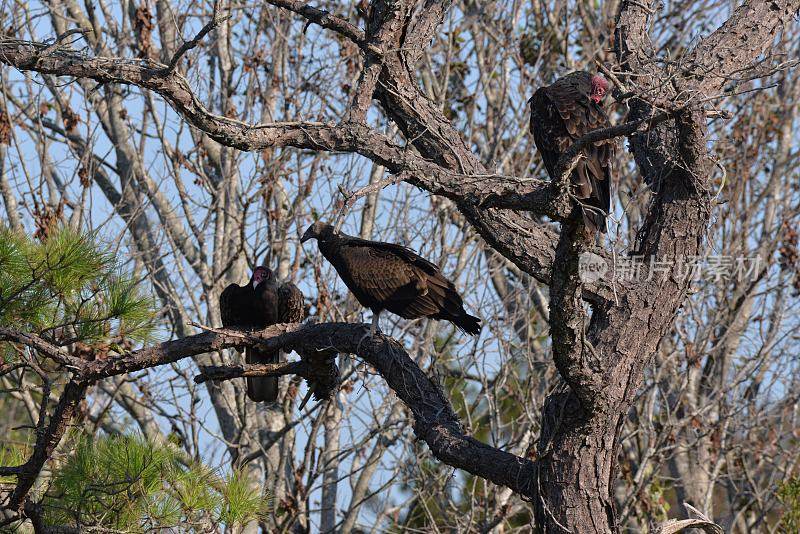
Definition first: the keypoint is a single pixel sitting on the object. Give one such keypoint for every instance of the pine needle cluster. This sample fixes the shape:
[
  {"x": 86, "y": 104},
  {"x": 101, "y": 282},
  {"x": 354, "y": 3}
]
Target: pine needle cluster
[
  {"x": 130, "y": 484},
  {"x": 68, "y": 288}
]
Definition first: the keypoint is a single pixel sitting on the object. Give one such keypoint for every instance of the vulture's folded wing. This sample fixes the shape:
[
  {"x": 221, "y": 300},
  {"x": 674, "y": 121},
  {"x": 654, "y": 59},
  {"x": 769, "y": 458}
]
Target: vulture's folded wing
[
  {"x": 290, "y": 303},
  {"x": 227, "y": 305},
  {"x": 547, "y": 128},
  {"x": 379, "y": 274},
  {"x": 399, "y": 251}
]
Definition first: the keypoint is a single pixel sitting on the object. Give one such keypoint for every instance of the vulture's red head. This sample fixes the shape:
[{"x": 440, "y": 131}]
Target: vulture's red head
[
  {"x": 260, "y": 274},
  {"x": 599, "y": 88}
]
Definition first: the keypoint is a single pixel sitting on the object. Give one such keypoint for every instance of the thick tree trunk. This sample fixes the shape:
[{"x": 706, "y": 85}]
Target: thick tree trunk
[{"x": 576, "y": 468}]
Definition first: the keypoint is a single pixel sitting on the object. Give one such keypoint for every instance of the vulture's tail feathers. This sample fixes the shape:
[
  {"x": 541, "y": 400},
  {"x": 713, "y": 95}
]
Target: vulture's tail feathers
[
  {"x": 451, "y": 306},
  {"x": 468, "y": 323},
  {"x": 447, "y": 297},
  {"x": 262, "y": 388},
  {"x": 421, "y": 307}
]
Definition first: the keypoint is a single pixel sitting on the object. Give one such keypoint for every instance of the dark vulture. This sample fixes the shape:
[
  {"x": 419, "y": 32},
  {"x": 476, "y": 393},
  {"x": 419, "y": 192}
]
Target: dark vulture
[
  {"x": 563, "y": 112},
  {"x": 385, "y": 276},
  {"x": 262, "y": 302}
]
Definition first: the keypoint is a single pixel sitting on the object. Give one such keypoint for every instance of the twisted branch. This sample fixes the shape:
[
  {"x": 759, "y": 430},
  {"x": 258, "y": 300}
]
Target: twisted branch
[{"x": 435, "y": 421}]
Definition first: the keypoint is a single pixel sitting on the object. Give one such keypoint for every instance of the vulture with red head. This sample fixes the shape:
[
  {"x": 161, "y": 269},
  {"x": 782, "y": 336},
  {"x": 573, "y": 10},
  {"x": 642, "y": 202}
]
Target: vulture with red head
[
  {"x": 264, "y": 301},
  {"x": 562, "y": 113},
  {"x": 385, "y": 276}
]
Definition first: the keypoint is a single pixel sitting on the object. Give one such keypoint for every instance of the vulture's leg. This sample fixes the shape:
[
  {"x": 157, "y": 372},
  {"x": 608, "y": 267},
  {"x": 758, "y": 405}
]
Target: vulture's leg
[{"x": 374, "y": 327}]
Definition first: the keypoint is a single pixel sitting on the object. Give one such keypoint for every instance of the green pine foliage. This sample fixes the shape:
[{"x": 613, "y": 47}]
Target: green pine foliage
[
  {"x": 68, "y": 288},
  {"x": 129, "y": 484},
  {"x": 12, "y": 454},
  {"x": 789, "y": 495},
  {"x": 240, "y": 502}
]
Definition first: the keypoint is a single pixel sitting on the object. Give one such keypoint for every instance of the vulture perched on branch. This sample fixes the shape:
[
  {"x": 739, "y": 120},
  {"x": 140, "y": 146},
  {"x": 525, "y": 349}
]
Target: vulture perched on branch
[
  {"x": 385, "y": 276},
  {"x": 264, "y": 301},
  {"x": 562, "y": 113}
]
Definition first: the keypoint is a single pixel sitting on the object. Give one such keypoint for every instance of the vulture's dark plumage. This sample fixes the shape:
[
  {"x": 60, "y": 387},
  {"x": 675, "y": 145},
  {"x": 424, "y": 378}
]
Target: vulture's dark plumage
[
  {"x": 563, "y": 112},
  {"x": 385, "y": 276},
  {"x": 264, "y": 301}
]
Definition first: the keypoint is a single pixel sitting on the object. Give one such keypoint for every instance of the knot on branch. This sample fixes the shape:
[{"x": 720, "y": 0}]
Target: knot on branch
[{"x": 322, "y": 374}]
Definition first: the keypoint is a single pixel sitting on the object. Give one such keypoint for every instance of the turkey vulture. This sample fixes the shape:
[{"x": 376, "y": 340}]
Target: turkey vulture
[
  {"x": 262, "y": 302},
  {"x": 385, "y": 276},
  {"x": 563, "y": 112}
]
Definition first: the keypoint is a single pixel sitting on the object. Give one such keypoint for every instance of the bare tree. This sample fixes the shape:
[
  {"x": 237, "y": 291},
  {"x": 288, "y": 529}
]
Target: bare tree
[{"x": 206, "y": 138}]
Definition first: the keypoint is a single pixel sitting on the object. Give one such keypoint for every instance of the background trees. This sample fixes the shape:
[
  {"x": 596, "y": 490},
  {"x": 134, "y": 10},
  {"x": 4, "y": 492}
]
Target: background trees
[{"x": 684, "y": 388}]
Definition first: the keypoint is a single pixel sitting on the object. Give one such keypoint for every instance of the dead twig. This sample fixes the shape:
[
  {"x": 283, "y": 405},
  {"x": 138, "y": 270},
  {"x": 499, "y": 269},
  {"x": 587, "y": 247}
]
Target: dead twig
[
  {"x": 218, "y": 373},
  {"x": 192, "y": 43}
]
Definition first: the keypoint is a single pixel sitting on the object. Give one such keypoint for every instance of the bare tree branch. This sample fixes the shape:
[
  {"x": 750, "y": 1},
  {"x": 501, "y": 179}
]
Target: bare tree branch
[
  {"x": 229, "y": 372},
  {"x": 486, "y": 188},
  {"x": 324, "y": 19},
  {"x": 435, "y": 421},
  {"x": 46, "y": 442},
  {"x": 35, "y": 342},
  {"x": 190, "y": 44}
]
